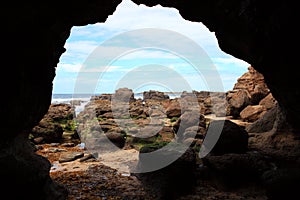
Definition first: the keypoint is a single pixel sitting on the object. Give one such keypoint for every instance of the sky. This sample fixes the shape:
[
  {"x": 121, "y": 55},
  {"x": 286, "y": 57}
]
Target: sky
[{"x": 145, "y": 48}]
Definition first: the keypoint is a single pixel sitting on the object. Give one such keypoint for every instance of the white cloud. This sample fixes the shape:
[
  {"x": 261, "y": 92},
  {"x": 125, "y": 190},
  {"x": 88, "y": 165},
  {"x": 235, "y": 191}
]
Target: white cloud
[
  {"x": 148, "y": 54},
  {"x": 84, "y": 47},
  {"x": 66, "y": 67},
  {"x": 231, "y": 60},
  {"x": 81, "y": 68},
  {"x": 129, "y": 16}
]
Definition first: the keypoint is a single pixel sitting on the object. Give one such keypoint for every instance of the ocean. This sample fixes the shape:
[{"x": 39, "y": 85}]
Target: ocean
[
  {"x": 67, "y": 98},
  {"x": 82, "y": 100},
  {"x": 85, "y": 98}
]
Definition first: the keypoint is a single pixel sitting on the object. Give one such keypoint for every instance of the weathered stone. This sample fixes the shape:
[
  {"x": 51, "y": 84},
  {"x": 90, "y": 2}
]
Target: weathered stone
[
  {"x": 117, "y": 138},
  {"x": 86, "y": 157},
  {"x": 70, "y": 156},
  {"x": 199, "y": 129},
  {"x": 254, "y": 83},
  {"x": 101, "y": 97},
  {"x": 60, "y": 112},
  {"x": 49, "y": 131},
  {"x": 232, "y": 138},
  {"x": 236, "y": 169},
  {"x": 154, "y": 95},
  {"x": 189, "y": 119},
  {"x": 264, "y": 123},
  {"x": 252, "y": 113},
  {"x": 69, "y": 144},
  {"x": 172, "y": 181},
  {"x": 174, "y": 109},
  {"x": 123, "y": 95},
  {"x": 237, "y": 101},
  {"x": 268, "y": 102},
  {"x": 38, "y": 140}
]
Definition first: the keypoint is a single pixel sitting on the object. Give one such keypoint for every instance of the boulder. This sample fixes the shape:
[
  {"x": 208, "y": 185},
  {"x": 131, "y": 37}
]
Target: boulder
[
  {"x": 189, "y": 119},
  {"x": 70, "y": 156},
  {"x": 265, "y": 123},
  {"x": 173, "y": 109},
  {"x": 252, "y": 113},
  {"x": 60, "y": 112},
  {"x": 123, "y": 95},
  {"x": 49, "y": 131},
  {"x": 268, "y": 102},
  {"x": 237, "y": 101},
  {"x": 101, "y": 97},
  {"x": 117, "y": 138},
  {"x": 154, "y": 95},
  {"x": 172, "y": 181},
  {"x": 232, "y": 138}
]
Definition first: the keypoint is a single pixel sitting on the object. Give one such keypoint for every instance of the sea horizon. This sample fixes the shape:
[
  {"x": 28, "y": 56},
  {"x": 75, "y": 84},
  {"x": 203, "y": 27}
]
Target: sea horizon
[{"x": 68, "y": 97}]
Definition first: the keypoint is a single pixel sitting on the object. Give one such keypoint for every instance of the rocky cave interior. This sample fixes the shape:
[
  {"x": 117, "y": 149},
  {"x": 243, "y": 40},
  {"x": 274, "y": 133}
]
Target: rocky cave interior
[{"x": 34, "y": 33}]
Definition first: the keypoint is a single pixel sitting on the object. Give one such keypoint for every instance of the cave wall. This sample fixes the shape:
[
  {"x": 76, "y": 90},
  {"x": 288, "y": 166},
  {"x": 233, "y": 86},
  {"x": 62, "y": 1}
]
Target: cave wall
[{"x": 33, "y": 37}]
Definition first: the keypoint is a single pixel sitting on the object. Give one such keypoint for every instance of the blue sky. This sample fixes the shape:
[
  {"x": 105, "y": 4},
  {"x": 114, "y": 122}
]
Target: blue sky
[{"x": 144, "y": 68}]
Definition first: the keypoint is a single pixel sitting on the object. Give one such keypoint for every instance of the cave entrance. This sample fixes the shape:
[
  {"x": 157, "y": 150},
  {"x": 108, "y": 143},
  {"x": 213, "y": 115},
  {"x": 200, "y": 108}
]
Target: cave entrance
[
  {"x": 166, "y": 64},
  {"x": 124, "y": 61},
  {"x": 127, "y": 17},
  {"x": 129, "y": 69}
]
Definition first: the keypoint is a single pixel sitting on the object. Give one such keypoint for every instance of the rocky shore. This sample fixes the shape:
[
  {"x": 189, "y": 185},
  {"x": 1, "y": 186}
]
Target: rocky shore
[{"x": 93, "y": 153}]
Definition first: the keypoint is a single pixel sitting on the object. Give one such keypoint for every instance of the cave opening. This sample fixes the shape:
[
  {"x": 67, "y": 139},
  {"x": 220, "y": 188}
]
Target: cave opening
[
  {"x": 128, "y": 16},
  {"x": 169, "y": 71},
  {"x": 122, "y": 33},
  {"x": 251, "y": 30}
]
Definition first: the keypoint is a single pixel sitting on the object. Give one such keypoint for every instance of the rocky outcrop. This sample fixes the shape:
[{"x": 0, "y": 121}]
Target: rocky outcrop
[
  {"x": 123, "y": 95},
  {"x": 173, "y": 109},
  {"x": 268, "y": 102},
  {"x": 57, "y": 122},
  {"x": 252, "y": 113},
  {"x": 138, "y": 121},
  {"x": 265, "y": 123},
  {"x": 254, "y": 83},
  {"x": 154, "y": 95},
  {"x": 60, "y": 112},
  {"x": 47, "y": 131},
  {"x": 250, "y": 98},
  {"x": 237, "y": 101},
  {"x": 208, "y": 102},
  {"x": 249, "y": 90},
  {"x": 101, "y": 97}
]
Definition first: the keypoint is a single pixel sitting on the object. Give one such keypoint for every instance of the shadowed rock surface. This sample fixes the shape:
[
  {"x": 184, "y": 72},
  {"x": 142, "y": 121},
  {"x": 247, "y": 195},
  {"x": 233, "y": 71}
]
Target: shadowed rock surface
[{"x": 232, "y": 138}]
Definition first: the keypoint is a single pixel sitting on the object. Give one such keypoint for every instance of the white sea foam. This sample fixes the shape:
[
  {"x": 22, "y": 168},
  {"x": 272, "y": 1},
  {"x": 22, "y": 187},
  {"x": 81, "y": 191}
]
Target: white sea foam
[{"x": 79, "y": 101}]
